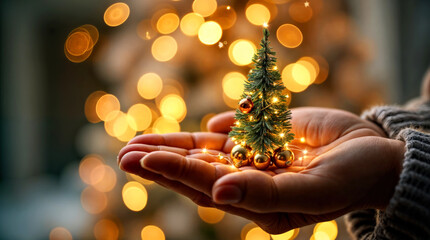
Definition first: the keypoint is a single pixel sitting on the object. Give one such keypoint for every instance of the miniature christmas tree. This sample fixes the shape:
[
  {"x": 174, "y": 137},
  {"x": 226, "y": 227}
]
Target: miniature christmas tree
[{"x": 263, "y": 129}]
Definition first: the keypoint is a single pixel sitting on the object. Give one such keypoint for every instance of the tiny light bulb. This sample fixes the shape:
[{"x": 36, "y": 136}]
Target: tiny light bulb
[
  {"x": 265, "y": 25},
  {"x": 282, "y": 135},
  {"x": 286, "y": 144},
  {"x": 243, "y": 142},
  {"x": 302, "y": 139},
  {"x": 237, "y": 123},
  {"x": 205, "y": 150},
  {"x": 265, "y": 117},
  {"x": 275, "y": 99},
  {"x": 305, "y": 151},
  {"x": 233, "y": 138},
  {"x": 300, "y": 158},
  {"x": 276, "y": 112},
  {"x": 275, "y": 68},
  {"x": 228, "y": 7},
  {"x": 287, "y": 96},
  {"x": 251, "y": 117}
]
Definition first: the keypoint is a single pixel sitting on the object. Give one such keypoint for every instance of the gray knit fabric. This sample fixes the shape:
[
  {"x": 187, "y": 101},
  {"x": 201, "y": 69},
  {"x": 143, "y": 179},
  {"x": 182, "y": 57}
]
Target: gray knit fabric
[{"x": 408, "y": 214}]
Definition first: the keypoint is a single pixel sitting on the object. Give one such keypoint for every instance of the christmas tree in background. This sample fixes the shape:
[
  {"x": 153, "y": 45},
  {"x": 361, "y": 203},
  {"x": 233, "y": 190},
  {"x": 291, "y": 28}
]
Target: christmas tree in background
[{"x": 263, "y": 129}]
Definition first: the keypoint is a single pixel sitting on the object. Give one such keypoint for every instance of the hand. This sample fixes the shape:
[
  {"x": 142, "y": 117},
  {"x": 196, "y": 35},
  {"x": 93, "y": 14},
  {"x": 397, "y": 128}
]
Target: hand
[{"x": 349, "y": 165}]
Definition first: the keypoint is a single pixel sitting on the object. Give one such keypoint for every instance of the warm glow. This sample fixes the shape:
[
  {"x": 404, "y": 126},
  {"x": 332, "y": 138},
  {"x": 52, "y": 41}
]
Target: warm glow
[
  {"x": 328, "y": 228},
  {"x": 166, "y": 125},
  {"x": 302, "y": 139},
  {"x": 149, "y": 85},
  {"x": 152, "y": 232},
  {"x": 289, "y": 35},
  {"x": 204, "y": 7},
  {"x": 139, "y": 117},
  {"x": 241, "y": 52},
  {"x": 257, "y": 234},
  {"x": 116, "y": 14},
  {"x": 116, "y": 124},
  {"x": 107, "y": 104},
  {"x": 290, "y": 235},
  {"x": 93, "y": 201},
  {"x": 233, "y": 85},
  {"x": 134, "y": 196},
  {"x": 299, "y": 12},
  {"x": 275, "y": 100},
  {"x": 210, "y": 33},
  {"x": 78, "y": 43},
  {"x": 210, "y": 215},
  {"x": 282, "y": 135},
  {"x": 129, "y": 132},
  {"x": 301, "y": 74},
  {"x": 60, "y": 233},
  {"x": 168, "y": 23},
  {"x": 106, "y": 229},
  {"x": 103, "y": 178},
  {"x": 164, "y": 48},
  {"x": 226, "y": 17},
  {"x": 257, "y": 14},
  {"x": 290, "y": 81},
  {"x": 191, "y": 23},
  {"x": 204, "y": 150},
  {"x": 145, "y": 30},
  {"x": 312, "y": 66},
  {"x": 90, "y": 106},
  {"x": 87, "y": 165},
  {"x": 173, "y": 106}
]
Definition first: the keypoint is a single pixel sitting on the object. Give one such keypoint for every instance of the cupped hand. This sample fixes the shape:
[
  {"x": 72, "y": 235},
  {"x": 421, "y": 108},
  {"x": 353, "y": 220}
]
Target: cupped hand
[{"x": 349, "y": 165}]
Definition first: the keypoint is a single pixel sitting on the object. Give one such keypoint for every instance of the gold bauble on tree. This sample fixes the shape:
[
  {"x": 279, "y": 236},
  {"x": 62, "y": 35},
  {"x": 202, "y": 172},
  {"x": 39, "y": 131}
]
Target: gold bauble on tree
[
  {"x": 246, "y": 105},
  {"x": 283, "y": 157},
  {"x": 261, "y": 161},
  {"x": 240, "y": 156}
]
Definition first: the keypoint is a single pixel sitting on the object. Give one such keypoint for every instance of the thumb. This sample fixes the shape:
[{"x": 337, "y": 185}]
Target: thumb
[{"x": 221, "y": 123}]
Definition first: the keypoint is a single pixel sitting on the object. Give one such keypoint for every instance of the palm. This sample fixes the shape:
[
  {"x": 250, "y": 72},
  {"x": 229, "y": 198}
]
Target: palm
[{"x": 177, "y": 161}]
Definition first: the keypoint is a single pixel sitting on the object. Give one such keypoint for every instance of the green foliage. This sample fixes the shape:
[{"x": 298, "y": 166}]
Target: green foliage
[{"x": 267, "y": 127}]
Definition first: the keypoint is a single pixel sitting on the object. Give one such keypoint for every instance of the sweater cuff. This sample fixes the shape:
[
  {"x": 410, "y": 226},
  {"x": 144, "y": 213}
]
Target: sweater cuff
[
  {"x": 393, "y": 119},
  {"x": 408, "y": 214}
]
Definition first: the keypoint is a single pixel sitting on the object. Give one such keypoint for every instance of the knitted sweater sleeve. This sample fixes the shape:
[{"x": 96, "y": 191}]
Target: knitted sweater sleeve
[{"x": 407, "y": 215}]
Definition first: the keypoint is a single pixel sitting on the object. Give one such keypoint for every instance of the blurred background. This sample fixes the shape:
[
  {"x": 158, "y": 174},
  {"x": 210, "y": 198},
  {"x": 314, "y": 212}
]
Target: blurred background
[{"x": 81, "y": 78}]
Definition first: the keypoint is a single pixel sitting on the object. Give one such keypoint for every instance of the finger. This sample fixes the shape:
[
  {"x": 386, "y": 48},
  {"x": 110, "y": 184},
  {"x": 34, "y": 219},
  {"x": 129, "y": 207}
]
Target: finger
[
  {"x": 185, "y": 140},
  {"x": 221, "y": 123},
  {"x": 195, "y": 173},
  {"x": 149, "y": 148},
  {"x": 259, "y": 192}
]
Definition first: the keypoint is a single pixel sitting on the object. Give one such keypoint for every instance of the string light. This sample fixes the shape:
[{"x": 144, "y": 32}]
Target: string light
[
  {"x": 265, "y": 117},
  {"x": 237, "y": 123},
  {"x": 282, "y": 135},
  {"x": 302, "y": 139},
  {"x": 306, "y": 4},
  {"x": 305, "y": 151},
  {"x": 275, "y": 99},
  {"x": 251, "y": 118},
  {"x": 265, "y": 25},
  {"x": 204, "y": 150}
]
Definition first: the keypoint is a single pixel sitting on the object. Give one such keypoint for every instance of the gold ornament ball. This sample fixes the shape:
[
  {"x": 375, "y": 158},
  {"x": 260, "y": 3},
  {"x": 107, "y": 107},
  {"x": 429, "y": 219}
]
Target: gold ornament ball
[
  {"x": 283, "y": 157},
  {"x": 261, "y": 161},
  {"x": 239, "y": 155},
  {"x": 246, "y": 105}
]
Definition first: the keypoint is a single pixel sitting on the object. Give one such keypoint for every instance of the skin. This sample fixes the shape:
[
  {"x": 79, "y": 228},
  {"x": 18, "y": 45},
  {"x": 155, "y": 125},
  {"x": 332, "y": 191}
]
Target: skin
[{"x": 350, "y": 165}]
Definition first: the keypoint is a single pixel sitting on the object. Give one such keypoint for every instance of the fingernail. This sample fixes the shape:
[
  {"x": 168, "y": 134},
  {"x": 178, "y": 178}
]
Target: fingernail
[
  {"x": 147, "y": 165},
  {"x": 227, "y": 195}
]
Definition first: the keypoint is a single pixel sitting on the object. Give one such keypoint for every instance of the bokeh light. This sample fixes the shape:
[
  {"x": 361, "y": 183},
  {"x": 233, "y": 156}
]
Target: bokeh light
[
  {"x": 103, "y": 178},
  {"x": 323, "y": 69},
  {"x": 289, "y": 35},
  {"x": 106, "y": 105},
  {"x": 140, "y": 115},
  {"x": 290, "y": 235},
  {"x": 257, "y": 14},
  {"x": 325, "y": 230},
  {"x": 87, "y": 165},
  {"x": 210, "y": 215},
  {"x": 205, "y": 120},
  {"x": 152, "y": 232},
  {"x": 312, "y": 65},
  {"x": 149, "y": 85},
  {"x": 257, "y": 234},
  {"x": 241, "y": 52},
  {"x": 166, "y": 125},
  {"x": 290, "y": 82},
  {"x": 191, "y": 23},
  {"x": 134, "y": 196},
  {"x": 106, "y": 229},
  {"x": 233, "y": 85},
  {"x": 116, "y": 14},
  {"x": 168, "y": 23},
  {"x": 173, "y": 106},
  {"x": 225, "y": 16},
  {"x": 80, "y": 42},
  {"x": 210, "y": 33},
  {"x": 93, "y": 201},
  {"x": 60, "y": 233},
  {"x": 301, "y": 74},
  {"x": 204, "y": 7},
  {"x": 164, "y": 48},
  {"x": 116, "y": 123},
  {"x": 90, "y": 106},
  {"x": 299, "y": 12}
]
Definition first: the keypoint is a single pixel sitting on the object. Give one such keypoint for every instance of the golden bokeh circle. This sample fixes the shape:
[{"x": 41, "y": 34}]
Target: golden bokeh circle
[{"x": 289, "y": 35}]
